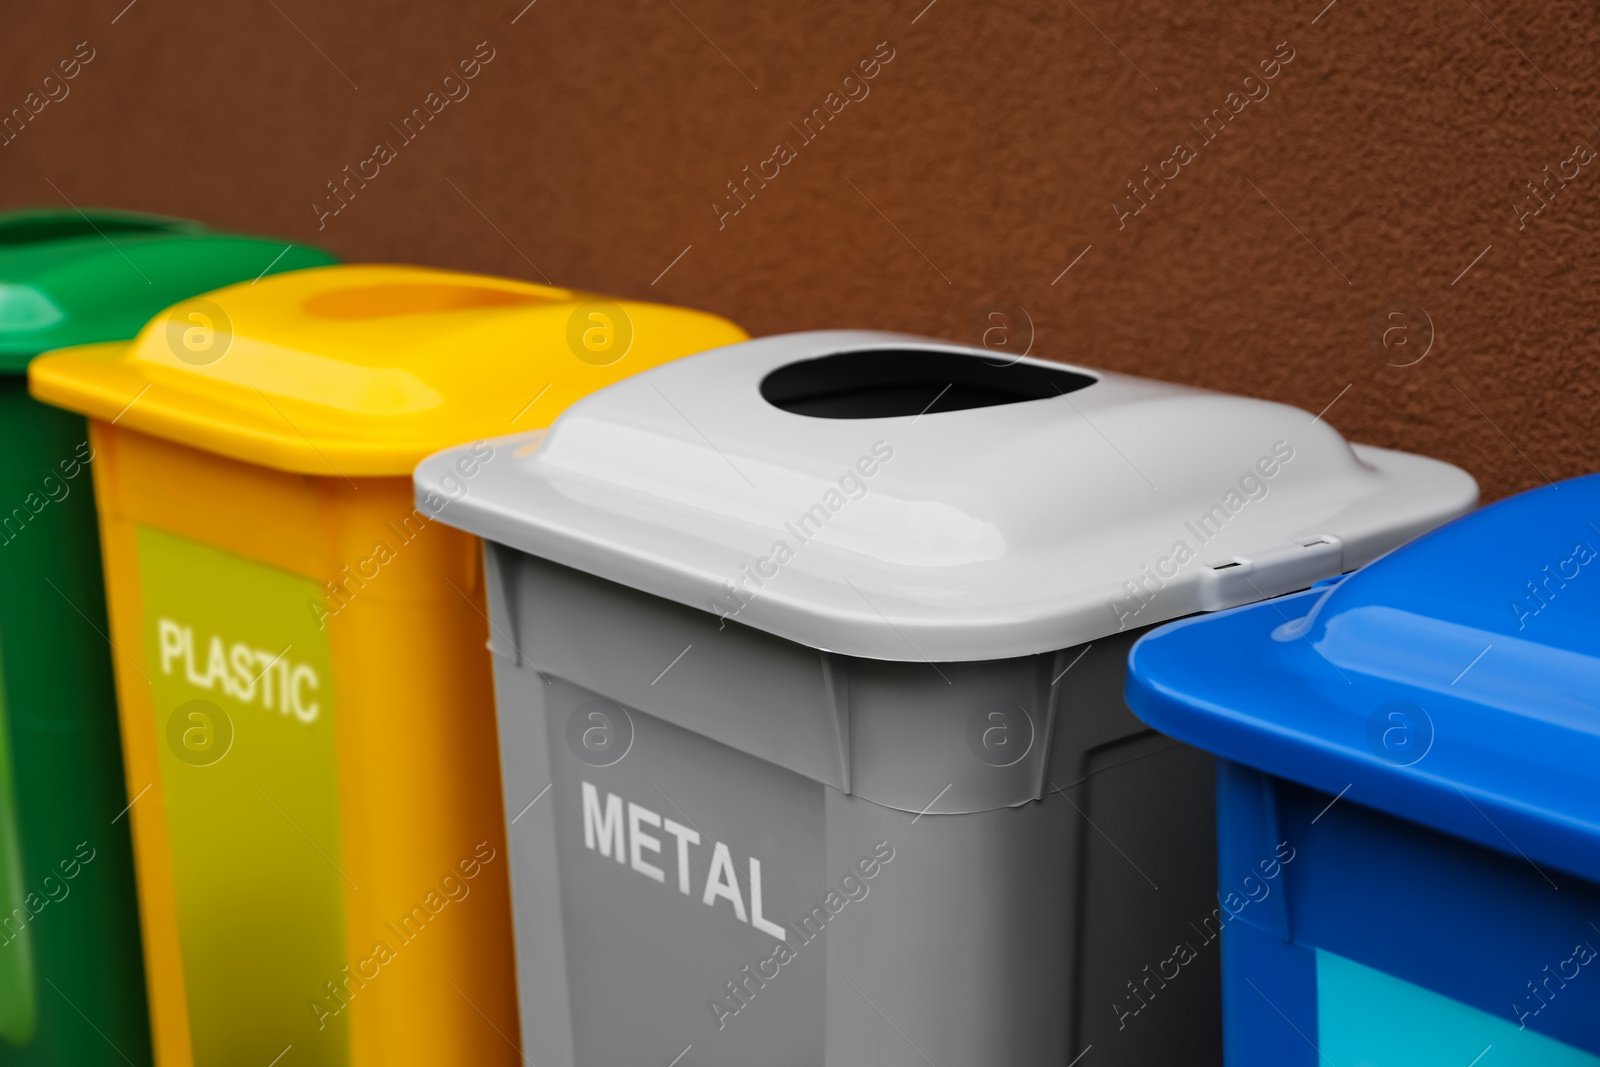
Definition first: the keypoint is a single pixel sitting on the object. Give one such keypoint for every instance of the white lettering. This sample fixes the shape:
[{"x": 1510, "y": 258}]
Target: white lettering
[
  {"x": 759, "y": 921},
  {"x": 720, "y": 882},
  {"x": 638, "y": 839},
  {"x": 188, "y": 660},
  {"x": 217, "y": 668},
  {"x": 266, "y": 659},
  {"x": 284, "y": 695},
  {"x": 241, "y": 672},
  {"x": 304, "y": 675},
  {"x": 608, "y": 824},
  {"x": 622, "y": 831},
  {"x": 172, "y": 643},
  {"x": 244, "y": 674},
  {"x": 686, "y": 837}
]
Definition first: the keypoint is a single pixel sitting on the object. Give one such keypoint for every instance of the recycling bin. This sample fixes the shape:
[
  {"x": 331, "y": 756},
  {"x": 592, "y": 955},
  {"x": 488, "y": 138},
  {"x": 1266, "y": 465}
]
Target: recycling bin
[
  {"x": 71, "y": 978},
  {"x": 305, "y": 695},
  {"x": 1408, "y": 797},
  {"x": 809, "y": 654}
]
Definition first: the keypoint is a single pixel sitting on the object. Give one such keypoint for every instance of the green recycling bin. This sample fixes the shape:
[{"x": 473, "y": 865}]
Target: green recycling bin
[{"x": 71, "y": 976}]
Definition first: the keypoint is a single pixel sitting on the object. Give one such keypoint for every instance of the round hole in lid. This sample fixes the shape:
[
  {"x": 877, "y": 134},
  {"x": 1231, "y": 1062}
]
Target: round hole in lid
[
  {"x": 881, "y": 383},
  {"x": 384, "y": 301}
]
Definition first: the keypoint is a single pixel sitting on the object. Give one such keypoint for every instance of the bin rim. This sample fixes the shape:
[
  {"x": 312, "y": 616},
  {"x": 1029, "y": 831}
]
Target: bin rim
[
  {"x": 1422, "y": 648},
  {"x": 361, "y": 369},
  {"x": 71, "y": 276},
  {"x": 996, "y": 531}
]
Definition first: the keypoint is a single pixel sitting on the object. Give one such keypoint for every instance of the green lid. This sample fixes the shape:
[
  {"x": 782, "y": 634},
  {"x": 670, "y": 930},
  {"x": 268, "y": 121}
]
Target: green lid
[{"x": 70, "y": 277}]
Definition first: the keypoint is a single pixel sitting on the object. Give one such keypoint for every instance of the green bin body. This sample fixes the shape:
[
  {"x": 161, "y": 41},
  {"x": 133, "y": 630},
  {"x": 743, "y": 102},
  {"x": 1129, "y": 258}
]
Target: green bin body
[{"x": 71, "y": 974}]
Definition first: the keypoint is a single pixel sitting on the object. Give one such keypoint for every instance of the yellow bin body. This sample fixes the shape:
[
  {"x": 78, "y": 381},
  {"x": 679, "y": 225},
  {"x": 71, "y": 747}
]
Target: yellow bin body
[{"x": 306, "y": 700}]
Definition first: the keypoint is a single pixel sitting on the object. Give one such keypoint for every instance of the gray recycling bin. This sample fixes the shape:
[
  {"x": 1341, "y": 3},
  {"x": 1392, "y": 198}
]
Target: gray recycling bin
[{"x": 809, "y": 657}]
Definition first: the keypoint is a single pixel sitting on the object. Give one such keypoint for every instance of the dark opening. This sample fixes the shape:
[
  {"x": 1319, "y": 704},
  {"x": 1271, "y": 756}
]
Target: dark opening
[
  {"x": 882, "y": 383},
  {"x": 35, "y": 229}
]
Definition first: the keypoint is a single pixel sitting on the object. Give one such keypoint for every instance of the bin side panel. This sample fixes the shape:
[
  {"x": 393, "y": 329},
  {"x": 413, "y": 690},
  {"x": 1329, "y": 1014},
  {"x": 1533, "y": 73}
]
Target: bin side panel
[
  {"x": 949, "y": 738},
  {"x": 146, "y": 815},
  {"x": 19, "y": 984},
  {"x": 691, "y": 875},
  {"x": 956, "y": 953},
  {"x": 541, "y": 942},
  {"x": 892, "y": 732},
  {"x": 1487, "y": 928},
  {"x": 725, "y": 681},
  {"x": 1269, "y": 984},
  {"x": 1142, "y": 805},
  {"x": 416, "y": 772},
  {"x": 1015, "y": 937},
  {"x": 1090, "y": 709},
  {"x": 419, "y": 782},
  {"x": 1147, "y": 986},
  {"x": 65, "y": 749},
  {"x": 1269, "y": 1000},
  {"x": 246, "y": 727}
]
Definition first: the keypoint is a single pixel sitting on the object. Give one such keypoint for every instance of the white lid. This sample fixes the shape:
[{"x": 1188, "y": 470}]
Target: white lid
[{"x": 970, "y": 534}]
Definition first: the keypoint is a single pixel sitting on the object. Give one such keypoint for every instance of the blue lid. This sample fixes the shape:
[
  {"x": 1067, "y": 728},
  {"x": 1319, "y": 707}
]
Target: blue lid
[{"x": 1454, "y": 682}]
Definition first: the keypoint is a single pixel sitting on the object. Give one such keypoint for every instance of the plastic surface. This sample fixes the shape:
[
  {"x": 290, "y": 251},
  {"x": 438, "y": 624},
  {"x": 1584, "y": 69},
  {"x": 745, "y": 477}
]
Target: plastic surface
[
  {"x": 876, "y": 788},
  {"x": 1455, "y": 939},
  {"x": 1452, "y": 683},
  {"x": 70, "y": 277},
  {"x": 1368, "y": 1017},
  {"x": 71, "y": 976},
  {"x": 305, "y": 697},
  {"x": 297, "y": 809},
  {"x": 1423, "y": 735},
  {"x": 59, "y": 749},
  {"x": 1028, "y": 847},
  {"x": 914, "y": 501},
  {"x": 363, "y": 370}
]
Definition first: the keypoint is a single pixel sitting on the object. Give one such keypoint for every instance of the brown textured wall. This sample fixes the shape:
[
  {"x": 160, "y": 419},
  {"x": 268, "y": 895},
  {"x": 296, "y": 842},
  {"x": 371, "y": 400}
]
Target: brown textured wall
[{"x": 1383, "y": 161}]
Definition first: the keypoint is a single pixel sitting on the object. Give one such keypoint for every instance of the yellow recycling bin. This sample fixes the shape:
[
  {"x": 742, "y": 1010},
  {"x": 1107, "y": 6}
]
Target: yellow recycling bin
[{"x": 306, "y": 703}]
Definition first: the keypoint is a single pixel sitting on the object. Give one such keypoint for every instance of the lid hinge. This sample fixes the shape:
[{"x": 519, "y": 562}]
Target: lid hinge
[{"x": 1270, "y": 572}]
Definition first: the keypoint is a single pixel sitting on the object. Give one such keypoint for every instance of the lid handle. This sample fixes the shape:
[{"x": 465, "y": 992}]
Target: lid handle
[
  {"x": 38, "y": 227},
  {"x": 390, "y": 299}
]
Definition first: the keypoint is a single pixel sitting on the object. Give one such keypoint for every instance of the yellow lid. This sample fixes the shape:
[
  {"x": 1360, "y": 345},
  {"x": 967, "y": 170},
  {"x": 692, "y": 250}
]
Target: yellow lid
[{"x": 348, "y": 370}]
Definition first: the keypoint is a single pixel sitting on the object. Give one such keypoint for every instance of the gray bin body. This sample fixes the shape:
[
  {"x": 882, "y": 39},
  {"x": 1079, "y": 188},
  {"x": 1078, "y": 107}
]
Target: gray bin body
[
  {"x": 810, "y": 654},
  {"x": 1012, "y": 933}
]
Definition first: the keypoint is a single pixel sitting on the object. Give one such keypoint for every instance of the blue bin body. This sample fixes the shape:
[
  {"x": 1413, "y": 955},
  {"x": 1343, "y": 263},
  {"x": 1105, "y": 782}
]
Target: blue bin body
[{"x": 1408, "y": 797}]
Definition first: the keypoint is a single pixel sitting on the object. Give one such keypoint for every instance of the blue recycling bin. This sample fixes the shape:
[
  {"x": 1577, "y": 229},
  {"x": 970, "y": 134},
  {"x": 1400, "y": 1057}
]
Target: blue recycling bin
[{"x": 1408, "y": 797}]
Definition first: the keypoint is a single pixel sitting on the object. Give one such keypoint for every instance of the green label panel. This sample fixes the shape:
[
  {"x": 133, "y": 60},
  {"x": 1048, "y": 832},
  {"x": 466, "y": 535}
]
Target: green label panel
[
  {"x": 18, "y": 1006},
  {"x": 242, "y": 688}
]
